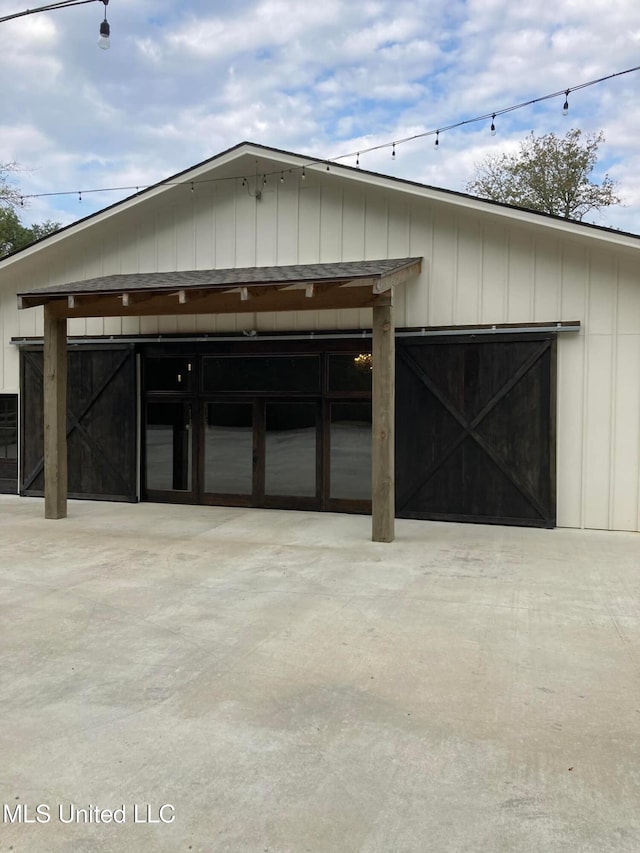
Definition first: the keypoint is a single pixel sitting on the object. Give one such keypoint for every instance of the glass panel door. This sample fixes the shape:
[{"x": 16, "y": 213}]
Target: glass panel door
[
  {"x": 350, "y": 451},
  {"x": 290, "y": 441},
  {"x": 228, "y": 448},
  {"x": 168, "y": 447}
]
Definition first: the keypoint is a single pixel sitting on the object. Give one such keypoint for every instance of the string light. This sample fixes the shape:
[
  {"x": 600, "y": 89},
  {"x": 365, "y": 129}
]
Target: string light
[
  {"x": 493, "y": 124},
  {"x": 105, "y": 29},
  {"x": 393, "y": 151},
  {"x": 391, "y": 144},
  {"x": 565, "y": 106}
]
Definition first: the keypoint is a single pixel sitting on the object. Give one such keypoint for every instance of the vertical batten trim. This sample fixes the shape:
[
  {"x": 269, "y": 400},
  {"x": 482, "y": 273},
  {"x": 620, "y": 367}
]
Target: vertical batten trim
[
  {"x": 585, "y": 391},
  {"x": 613, "y": 397}
]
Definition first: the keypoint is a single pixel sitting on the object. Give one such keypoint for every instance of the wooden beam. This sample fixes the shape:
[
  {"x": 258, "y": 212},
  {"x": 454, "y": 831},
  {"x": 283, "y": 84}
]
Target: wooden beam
[
  {"x": 382, "y": 430},
  {"x": 389, "y": 281},
  {"x": 55, "y": 415},
  {"x": 216, "y": 302}
]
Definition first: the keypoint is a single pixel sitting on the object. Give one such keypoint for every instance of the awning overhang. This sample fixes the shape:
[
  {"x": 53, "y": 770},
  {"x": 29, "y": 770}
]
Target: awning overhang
[{"x": 306, "y": 287}]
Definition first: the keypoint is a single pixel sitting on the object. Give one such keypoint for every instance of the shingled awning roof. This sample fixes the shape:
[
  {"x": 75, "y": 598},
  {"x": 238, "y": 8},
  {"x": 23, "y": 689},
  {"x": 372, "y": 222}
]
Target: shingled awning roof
[{"x": 354, "y": 284}]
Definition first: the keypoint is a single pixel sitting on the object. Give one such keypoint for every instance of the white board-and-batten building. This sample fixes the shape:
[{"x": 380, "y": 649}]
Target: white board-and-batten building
[{"x": 220, "y": 349}]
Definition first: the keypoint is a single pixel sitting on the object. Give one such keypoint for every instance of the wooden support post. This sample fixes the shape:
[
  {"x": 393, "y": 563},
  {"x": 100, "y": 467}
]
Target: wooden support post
[
  {"x": 383, "y": 416},
  {"x": 55, "y": 415}
]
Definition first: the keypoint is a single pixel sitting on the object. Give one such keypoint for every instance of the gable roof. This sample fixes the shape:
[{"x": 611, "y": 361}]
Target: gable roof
[{"x": 289, "y": 161}]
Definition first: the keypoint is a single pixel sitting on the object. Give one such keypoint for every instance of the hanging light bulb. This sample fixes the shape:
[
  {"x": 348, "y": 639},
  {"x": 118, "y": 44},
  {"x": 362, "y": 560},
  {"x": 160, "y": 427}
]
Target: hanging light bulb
[
  {"x": 565, "y": 106},
  {"x": 393, "y": 151},
  {"x": 358, "y": 160},
  {"x": 304, "y": 174},
  {"x": 437, "y": 142},
  {"x": 105, "y": 30},
  {"x": 493, "y": 125}
]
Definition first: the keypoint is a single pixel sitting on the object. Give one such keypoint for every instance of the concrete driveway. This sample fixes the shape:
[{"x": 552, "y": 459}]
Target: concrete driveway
[{"x": 279, "y": 683}]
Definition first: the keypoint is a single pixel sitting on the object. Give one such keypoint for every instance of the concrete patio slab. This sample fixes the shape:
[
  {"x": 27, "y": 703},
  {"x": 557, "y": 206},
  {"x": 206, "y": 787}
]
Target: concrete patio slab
[{"x": 281, "y": 684}]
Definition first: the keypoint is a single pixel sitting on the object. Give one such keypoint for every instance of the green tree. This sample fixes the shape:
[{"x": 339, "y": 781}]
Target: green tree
[
  {"x": 13, "y": 234},
  {"x": 9, "y": 194},
  {"x": 550, "y": 174}
]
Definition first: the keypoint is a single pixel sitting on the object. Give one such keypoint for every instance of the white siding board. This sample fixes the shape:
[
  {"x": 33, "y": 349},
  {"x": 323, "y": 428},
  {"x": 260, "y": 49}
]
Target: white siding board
[
  {"x": 266, "y": 225},
  {"x": 225, "y": 225},
  {"x": 546, "y": 288},
  {"x": 467, "y": 289},
  {"x": 376, "y": 227},
  {"x": 112, "y": 326},
  {"x": 147, "y": 255},
  {"x": 128, "y": 249},
  {"x": 287, "y": 224},
  {"x": 418, "y": 293},
  {"x": 309, "y": 225},
  {"x": 628, "y": 315},
  {"x": 232, "y": 323},
  {"x": 575, "y": 275},
  {"x": 520, "y": 277},
  {"x": 569, "y": 428},
  {"x": 245, "y": 226},
  {"x": 602, "y": 293},
  {"x": 167, "y": 325},
  {"x": 443, "y": 269},
  {"x": 75, "y": 327},
  {"x": 185, "y": 233},
  {"x": 148, "y": 325},
  {"x": 204, "y": 228},
  {"x": 166, "y": 240},
  {"x": 187, "y": 324},
  {"x": 494, "y": 298},
  {"x": 399, "y": 230},
  {"x": 353, "y": 224},
  {"x": 348, "y": 318},
  {"x": 131, "y": 325},
  {"x": 598, "y": 437},
  {"x": 331, "y": 224},
  {"x": 626, "y": 435}
]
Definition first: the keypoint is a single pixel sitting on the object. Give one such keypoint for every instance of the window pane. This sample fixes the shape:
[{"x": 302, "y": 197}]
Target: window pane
[
  {"x": 228, "y": 448},
  {"x": 351, "y": 451},
  {"x": 261, "y": 373},
  {"x": 350, "y": 372},
  {"x": 8, "y": 426},
  {"x": 290, "y": 464},
  {"x": 168, "y": 374},
  {"x": 168, "y": 447}
]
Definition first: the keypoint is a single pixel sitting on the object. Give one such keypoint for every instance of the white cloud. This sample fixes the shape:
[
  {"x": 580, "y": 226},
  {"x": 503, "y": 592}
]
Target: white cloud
[{"x": 183, "y": 81}]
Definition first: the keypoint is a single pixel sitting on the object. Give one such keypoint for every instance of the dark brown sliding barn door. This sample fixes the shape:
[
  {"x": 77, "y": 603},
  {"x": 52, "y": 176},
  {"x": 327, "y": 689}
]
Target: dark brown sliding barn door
[
  {"x": 475, "y": 434},
  {"x": 101, "y": 423}
]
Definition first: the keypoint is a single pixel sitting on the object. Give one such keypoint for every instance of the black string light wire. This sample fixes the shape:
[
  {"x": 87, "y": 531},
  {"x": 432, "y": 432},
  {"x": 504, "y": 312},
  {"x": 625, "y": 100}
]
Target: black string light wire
[{"x": 357, "y": 154}]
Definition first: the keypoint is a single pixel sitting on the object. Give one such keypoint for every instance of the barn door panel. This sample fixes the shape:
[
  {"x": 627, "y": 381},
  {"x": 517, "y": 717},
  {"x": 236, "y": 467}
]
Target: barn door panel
[
  {"x": 101, "y": 423},
  {"x": 475, "y": 431}
]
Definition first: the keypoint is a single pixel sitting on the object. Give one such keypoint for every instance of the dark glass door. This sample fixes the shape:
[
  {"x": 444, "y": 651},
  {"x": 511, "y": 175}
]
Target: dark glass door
[
  {"x": 229, "y": 457},
  {"x": 261, "y": 452},
  {"x": 278, "y": 430},
  {"x": 168, "y": 458},
  {"x": 291, "y": 452}
]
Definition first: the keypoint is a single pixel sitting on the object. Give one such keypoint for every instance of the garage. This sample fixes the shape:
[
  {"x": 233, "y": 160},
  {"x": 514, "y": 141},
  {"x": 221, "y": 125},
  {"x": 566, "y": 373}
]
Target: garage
[{"x": 204, "y": 327}]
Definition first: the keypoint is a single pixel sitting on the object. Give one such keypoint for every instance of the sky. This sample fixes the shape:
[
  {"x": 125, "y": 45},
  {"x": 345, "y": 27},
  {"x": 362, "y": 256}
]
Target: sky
[{"x": 186, "y": 79}]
